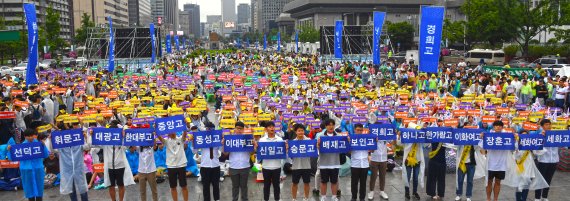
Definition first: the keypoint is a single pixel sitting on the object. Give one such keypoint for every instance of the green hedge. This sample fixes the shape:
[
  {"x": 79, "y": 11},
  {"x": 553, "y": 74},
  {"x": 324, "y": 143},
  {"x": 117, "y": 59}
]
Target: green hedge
[{"x": 537, "y": 51}]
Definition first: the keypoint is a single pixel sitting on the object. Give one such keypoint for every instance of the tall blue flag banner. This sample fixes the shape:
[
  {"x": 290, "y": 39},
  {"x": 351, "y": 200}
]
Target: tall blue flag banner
[
  {"x": 67, "y": 138},
  {"x": 168, "y": 46},
  {"x": 152, "y": 43},
  {"x": 499, "y": 141},
  {"x": 111, "y": 46},
  {"x": 531, "y": 142},
  {"x": 557, "y": 138},
  {"x": 412, "y": 136},
  {"x": 279, "y": 41},
  {"x": 172, "y": 124},
  {"x": 107, "y": 136},
  {"x": 271, "y": 150},
  {"x": 238, "y": 143},
  {"x": 207, "y": 139},
  {"x": 297, "y": 41},
  {"x": 139, "y": 137},
  {"x": 338, "y": 39},
  {"x": 183, "y": 43},
  {"x": 465, "y": 136},
  {"x": 302, "y": 148},
  {"x": 264, "y": 41},
  {"x": 31, "y": 21},
  {"x": 363, "y": 142},
  {"x": 439, "y": 134},
  {"x": 431, "y": 26},
  {"x": 176, "y": 42},
  {"x": 28, "y": 151},
  {"x": 238, "y": 43},
  {"x": 378, "y": 23},
  {"x": 384, "y": 131},
  {"x": 334, "y": 144}
]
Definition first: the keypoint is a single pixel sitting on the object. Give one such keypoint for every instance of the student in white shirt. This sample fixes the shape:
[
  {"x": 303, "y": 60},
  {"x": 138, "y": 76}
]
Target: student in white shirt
[
  {"x": 547, "y": 160},
  {"x": 329, "y": 163},
  {"x": 239, "y": 168},
  {"x": 378, "y": 165},
  {"x": 147, "y": 172},
  {"x": 496, "y": 164},
  {"x": 301, "y": 167},
  {"x": 176, "y": 163},
  {"x": 271, "y": 167},
  {"x": 359, "y": 168},
  {"x": 210, "y": 170}
]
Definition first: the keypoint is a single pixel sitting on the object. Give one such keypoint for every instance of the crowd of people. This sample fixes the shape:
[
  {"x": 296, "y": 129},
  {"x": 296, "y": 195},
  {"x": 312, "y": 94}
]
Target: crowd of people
[{"x": 219, "y": 91}]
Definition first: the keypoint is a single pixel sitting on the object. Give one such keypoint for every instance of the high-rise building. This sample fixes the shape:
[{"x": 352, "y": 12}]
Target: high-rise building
[
  {"x": 170, "y": 19},
  {"x": 229, "y": 17},
  {"x": 184, "y": 21},
  {"x": 139, "y": 13},
  {"x": 13, "y": 10},
  {"x": 157, "y": 10},
  {"x": 194, "y": 19},
  {"x": 98, "y": 10},
  {"x": 213, "y": 24},
  {"x": 243, "y": 13},
  {"x": 264, "y": 13}
]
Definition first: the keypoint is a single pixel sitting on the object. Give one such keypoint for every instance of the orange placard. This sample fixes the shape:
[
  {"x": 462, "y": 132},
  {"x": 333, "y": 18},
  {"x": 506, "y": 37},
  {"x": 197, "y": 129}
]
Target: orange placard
[
  {"x": 505, "y": 121},
  {"x": 9, "y": 164},
  {"x": 248, "y": 131},
  {"x": 503, "y": 110},
  {"x": 401, "y": 115},
  {"x": 459, "y": 113},
  {"x": 79, "y": 104},
  {"x": 103, "y": 94},
  {"x": 471, "y": 127},
  {"x": 60, "y": 90},
  {"x": 16, "y": 92},
  {"x": 406, "y": 121},
  {"x": 404, "y": 96},
  {"x": 429, "y": 120},
  {"x": 488, "y": 119},
  {"x": 90, "y": 78},
  {"x": 226, "y": 98},
  {"x": 475, "y": 113},
  {"x": 451, "y": 122},
  {"x": 509, "y": 130},
  {"x": 98, "y": 168},
  {"x": 404, "y": 102},
  {"x": 241, "y": 98},
  {"x": 90, "y": 112},
  {"x": 530, "y": 126},
  {"x": 524, "y": 113},
  {"x": 229, "y": 107}
]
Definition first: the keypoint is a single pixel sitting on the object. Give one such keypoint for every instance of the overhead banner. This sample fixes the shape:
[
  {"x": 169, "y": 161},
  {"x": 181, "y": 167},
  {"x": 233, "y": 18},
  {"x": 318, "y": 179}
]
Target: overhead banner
[
  {"x": 363, "y": 142},
  {"x": 238, "y": 143},
  {"x": 278, "y": 41},
  {"x": 497, "y": 70},
  {"x": 264, "y": 41},
  {"x": 384, "y": 131},
  {"x": 378, "y": 23},
  {"x": 176, "y": 42},
  {"x": 207, "y": 139},
  {"x": 28, "y": 151},
  {"x": 168, "y": 46},
  {"x": 302, "y": 148},
  {"x": 334, "y": 144},
  {"x": 464, "y": 136},
  {"x": 297, "y": 41},
  {"x": 31, "y": 21},
  {"x": 439, "y": 134},
  {"x": 271, "y": 150},
  {"x": 67, "y": 138},
  {"x": 499, "y": 141},
  {"x": 408, "y": 136},
  {"x": 431, "y": 26},
  {"x": 111, "y": 46},
  {"x": 338, "y": 39},
  {"x": 152, "y": 43},
  {"x": 139, "y": 137},
  {"x": 107, "y": 136},
  {"x": 172, "y": 124},
  {"x": 557, "y": 138},
  {"x": 531, "y": 142}
]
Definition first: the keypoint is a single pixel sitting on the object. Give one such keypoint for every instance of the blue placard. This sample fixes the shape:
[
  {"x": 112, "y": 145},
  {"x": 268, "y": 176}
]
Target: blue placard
[
  {"x": 170, "y": 125},
  {"x": 499, "y": 141},
  {"x": 334, "y": 144},
  {"x": 439, "y": 134},
  {"x": 303, "y": 148},
  {"x": 67, "y": 138},
  {"x": 107, "y": 136},
  {"x": 464, "y": 136},
  {"x": 139, "y": 137},
  {"x": 385, "y": 132},
  {"x": 557, "y": 138},
  {"x": 431, "y": 26},
  {"x": 408, "y": 135},
  {"x": 363, "y": 142},
  {"x": 27, "y": 151},
  {"x": 271, "y": 150},
  {"x": 531, "y": 142},
  {"x": 207, "y": 139},
  {"x": 238, "y": 143}
]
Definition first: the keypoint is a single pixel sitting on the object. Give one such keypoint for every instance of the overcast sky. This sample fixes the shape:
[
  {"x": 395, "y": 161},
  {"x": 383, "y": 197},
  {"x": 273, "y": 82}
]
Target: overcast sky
[{"x": 209, "y": 7}]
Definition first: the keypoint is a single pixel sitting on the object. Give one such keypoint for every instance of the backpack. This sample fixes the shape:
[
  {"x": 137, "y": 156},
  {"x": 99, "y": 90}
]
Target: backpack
[{"x": 36, "y": 114}]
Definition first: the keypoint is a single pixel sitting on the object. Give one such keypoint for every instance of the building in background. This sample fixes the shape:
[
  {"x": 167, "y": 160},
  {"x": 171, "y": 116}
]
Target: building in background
[
  {"x": 193, "y": 11},
  {"x": 157, "y": 10},
  {"x": 98, "y": 10},
  {"x": 229, "y": 17},
  {"x": 13, "y": 10},
  {"x": 184, "y": 22},
  {"x": 265, "y": 12},
  {"x": 213, "y": 24},
  {"x": 139, "y": 13},
  {"x": 243, "y": 13},
  {"x": 170, "y": 18}
]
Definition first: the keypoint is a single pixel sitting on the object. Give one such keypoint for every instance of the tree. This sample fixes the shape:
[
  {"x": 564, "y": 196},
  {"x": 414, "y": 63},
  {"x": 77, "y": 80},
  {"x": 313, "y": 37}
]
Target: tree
[
  {"x": 52, "y": 31},
  {"x": 453, "y": 31},
  {"x": 81, "y": 33},
  {"x": 308, "y": 34},
  {"x": 401, "y": 32},
  {"x": 486, "y": 22},
  {"x": 560, "y": 33}
]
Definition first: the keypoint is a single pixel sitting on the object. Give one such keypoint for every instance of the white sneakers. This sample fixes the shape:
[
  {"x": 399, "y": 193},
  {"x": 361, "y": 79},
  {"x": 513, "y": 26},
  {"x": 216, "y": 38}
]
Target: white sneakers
[
  {"x": 323, "y": 198},
  {"x": 334, "y": 198},
  {"x": 371, "y": 195},
  {"x": 457, "y": 198},
  {"x": 468, "y": 199},
  {"x": 383, "y": 195},
  {"x": 221, "y": 179},
  {"x": 305, "y": 199}
]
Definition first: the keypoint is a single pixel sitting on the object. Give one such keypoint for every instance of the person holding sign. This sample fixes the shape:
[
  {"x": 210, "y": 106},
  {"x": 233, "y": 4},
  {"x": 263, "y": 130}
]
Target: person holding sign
[
  {"x": 329, "y": 163},
  {"x": 301, "y": 167},
  {"x": 271, "y": 167},
  {"x": 547, "y": 160},
  {"x": 414, "y": 164},
  {"x": 496, "y": 164},
  {"x": 239, "y": 167},
  {"x": 378, "y": 165},
  {"x": 209, "y": 167},
  {"x": 32, "y": 170},
  {"x": 176, "y": 163},
  {"x": 359, "y": 168},
  {"x": 469, "y": 162},
  {"x": 436, "y": 171}
]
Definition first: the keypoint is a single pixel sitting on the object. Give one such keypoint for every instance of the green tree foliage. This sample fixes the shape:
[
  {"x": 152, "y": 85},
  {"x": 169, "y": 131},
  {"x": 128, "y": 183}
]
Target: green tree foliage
[
  {"x": 486, "y": 22},
  {"x": 453, "y": 31},
  {"x": 51, "y": 32},
  {"x": 562, "y": 34},
  {"x": 401, "y": 32},
  {"x": 308, "y": 34},
  {"x": 81, "y": 33}
]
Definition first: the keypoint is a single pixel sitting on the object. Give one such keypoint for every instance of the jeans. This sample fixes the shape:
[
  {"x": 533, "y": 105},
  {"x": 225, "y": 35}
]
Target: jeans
[
  {"x": 521, "y": 196},
  {"x": 547, "y": 171},
  {"x": 416, "y": 172},
  {"x": 525, "y": 98},
  {"x": 73, "y": 195},
  {"x": 559, "y": 103},
  {"x": 358, "y": 176},
  {"x": 210, "y": 176},
  {"x": 271, "y": 177},
  {"x": 239, "y": 181},
  {"x": 470, "y": 172}
]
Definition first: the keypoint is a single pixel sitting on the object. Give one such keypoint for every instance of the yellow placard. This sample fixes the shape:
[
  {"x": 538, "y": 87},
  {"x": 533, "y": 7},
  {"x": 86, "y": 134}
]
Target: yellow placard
[
  {"x": 160, "y": 112},
  {"x": 176, "y": 111},
  {"x": 141, "y": 93},
  {"x": 250, "y": 120},
  {"x": 496, "y": 100},
  {"x": 559, "y": 125},
  {"x": 519, "y": 120},
  {"x": 61, "y": 117},
  {"x": 44, "y": 128},
  {"x": 511, "y": 98},
  {"x": 480, "y": 99},
  {"x": 135, "y": 101},
  {"x": 178, "y": 97},
  {"x": 71, "y": 119},
  {"x": 193, "y": 111},
  {"x": 227, "y": 114},
  {"x": 91, "y": 104},
  {"x": 99, "y": 100},
  {"x": 535, "y": 116},
  {"x": 264, "y": 117},
  {"x": 490, "y": 95},
  {"x": 371, "y": 94},
  {"x": 227, "y": 123},
  {"x": 127, "y": 110},
  {"x": 467, "y": 99},
  {"x": 146, "y": 98},
  {"x": 89, "y": 119},
  {"x": 143, "y": 114},
  {"x": 258, "y": 131}
]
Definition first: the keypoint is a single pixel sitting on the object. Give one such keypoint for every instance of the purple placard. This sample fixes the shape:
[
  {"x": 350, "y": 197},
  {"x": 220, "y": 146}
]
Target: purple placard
[
  {"x": 362, "y": 112},
  {"x": 278, "y": 125},
  {"x": 139, "y": 120},
  {"x": 490, "y": 108},
  {"x": 348, "y": 117},
  {"x": 384, "y": 108},
  {"x": 328, "y": 106},
  {"x": 319, "y": 109},
  {"x": 345, "y": 104},
  {"x": 339, "y": 110},
  {"x": 520, "y": 106},
  {"x": 403, "y": 108},
  {"x": 361, "y": 120},
  {"x": 149, "y": 119},
  {"x": 315, "y": 123},
  {"x": 298, "y": 119},
  {"x": 297, "y": 107},
  {"x": 287, "y": 117}
]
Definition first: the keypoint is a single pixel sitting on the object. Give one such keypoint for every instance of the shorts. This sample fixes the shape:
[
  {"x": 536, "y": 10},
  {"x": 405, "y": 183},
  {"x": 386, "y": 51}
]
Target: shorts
[
  {"x": 116, "y": 176},
  {"x": 174, "y": 173},
  {"x": 500, "y": 175},
  {"x": 329, "y": 175},
  {"x": 302, "y": 173}
]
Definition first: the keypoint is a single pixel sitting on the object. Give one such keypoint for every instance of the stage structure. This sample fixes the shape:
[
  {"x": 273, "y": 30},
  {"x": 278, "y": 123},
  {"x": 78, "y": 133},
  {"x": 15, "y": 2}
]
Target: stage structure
[{"x": 356, "y": 42}]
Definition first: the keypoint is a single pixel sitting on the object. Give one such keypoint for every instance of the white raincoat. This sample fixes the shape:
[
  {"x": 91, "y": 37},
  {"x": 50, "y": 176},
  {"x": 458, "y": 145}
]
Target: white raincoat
[
  {"x": 480, "y": 161},
  {"x": 72, "y": 168},
  {"x": 530, "y": 178}
]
